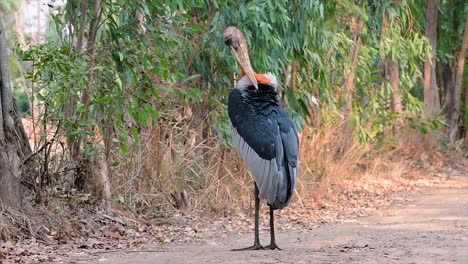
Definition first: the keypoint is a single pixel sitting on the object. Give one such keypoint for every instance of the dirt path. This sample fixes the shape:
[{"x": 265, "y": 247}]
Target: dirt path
[{"x": 432, "y": 227}]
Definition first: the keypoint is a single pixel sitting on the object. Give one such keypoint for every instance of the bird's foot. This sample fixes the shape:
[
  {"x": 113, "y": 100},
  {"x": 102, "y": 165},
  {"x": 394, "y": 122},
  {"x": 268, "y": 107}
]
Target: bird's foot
[
  {"x": 273, "y": 246},
  {"x": 254, "y": 247}
]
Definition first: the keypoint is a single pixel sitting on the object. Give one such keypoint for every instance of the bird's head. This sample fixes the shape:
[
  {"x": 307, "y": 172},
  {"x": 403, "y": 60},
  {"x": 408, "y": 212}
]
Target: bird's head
[{"x": 235, "y": 40}]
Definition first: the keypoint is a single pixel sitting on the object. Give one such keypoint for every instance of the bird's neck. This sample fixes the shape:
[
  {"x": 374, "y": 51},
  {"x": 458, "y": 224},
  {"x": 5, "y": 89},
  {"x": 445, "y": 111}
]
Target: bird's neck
[
  {"x": 265, "y": 94},
  {"x": 261, "y": 78}
]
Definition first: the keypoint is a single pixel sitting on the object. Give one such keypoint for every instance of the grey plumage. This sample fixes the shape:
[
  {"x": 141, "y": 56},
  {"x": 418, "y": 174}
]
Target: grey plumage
[
  {"x": 267, "y": 142},
  {"x": 263, "y": 134}
]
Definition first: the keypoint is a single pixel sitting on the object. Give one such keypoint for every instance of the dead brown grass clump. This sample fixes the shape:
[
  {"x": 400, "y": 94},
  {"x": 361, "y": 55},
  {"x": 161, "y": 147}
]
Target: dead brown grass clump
[{"x": 183, "y": 154}]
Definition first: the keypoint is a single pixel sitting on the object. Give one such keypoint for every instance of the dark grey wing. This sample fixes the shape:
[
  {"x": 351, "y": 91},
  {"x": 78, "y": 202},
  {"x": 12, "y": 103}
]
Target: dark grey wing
[
  {"x": 269, "y": 146},
  {"x": 265, "y": 172},
  {"x": 256, "y": 136},
  {"x": 290, "y": 144}
]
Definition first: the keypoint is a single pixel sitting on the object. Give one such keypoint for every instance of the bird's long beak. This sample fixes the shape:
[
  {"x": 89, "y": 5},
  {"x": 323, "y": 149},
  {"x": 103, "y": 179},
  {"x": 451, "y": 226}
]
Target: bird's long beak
[
  {"x": 236, "y": 42},
  {"x": 242, "y": 57}
]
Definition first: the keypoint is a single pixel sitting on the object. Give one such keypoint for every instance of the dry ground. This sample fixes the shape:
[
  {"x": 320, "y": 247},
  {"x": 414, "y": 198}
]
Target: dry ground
[{"x": 429, "y": 226}]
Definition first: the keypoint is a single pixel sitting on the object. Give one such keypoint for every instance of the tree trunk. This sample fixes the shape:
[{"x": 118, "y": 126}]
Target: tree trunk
[
  {"x": 14, "y": 145},
  {"x": 70, "y": 108},
  {"x": 140, "y": 17},
  {"x": 448, "y": 83},
  {"x": 349, "y": 83},
  {"x": 394, "y": 76},
  {"x": 76, "y": 151},
  {"x": 98, "y": 166},
  {"x": 453, "y": 118},
  {"x": 465, "y": 118},
  {"x": 431, "y": 96}
]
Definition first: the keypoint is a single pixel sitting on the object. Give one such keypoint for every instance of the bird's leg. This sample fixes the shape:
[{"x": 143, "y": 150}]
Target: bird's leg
[
  {"x": 257, "y": 209},
  {"x": 256, "y": 245},
  {"x": 272, "y": 245}
]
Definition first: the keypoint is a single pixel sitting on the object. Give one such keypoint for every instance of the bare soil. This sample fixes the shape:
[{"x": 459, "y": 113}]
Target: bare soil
[{"x": 429, "y": 226}]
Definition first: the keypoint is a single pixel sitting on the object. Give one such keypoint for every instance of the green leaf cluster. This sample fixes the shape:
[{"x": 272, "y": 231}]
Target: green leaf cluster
[{"x": 151, "y": 57}]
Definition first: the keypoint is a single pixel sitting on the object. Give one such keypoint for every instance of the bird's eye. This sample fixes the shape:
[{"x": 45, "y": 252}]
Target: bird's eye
[{"x": 228, "y": 41}]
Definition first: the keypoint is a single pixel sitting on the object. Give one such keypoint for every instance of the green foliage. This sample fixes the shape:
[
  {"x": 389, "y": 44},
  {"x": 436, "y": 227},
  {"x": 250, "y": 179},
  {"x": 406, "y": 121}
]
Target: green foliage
[
  {"x": 391, "y": 33},
  {"x": 451, "y": 20},
  {"x": 22, "y": 102},
  {"x": 426, "y": 126},
  {"x": 9, "y": 6},
  {"x": 119, "y": 78},
  {"x": 153, "y": 56},
  {"x": 60, "y": 73}
]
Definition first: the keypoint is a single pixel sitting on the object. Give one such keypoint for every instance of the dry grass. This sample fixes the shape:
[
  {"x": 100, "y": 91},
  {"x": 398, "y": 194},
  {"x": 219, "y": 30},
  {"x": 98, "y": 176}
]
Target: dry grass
[
  {"x": 29, "y": 222},
  {"x": 174, "y": 156},
  {"x": 182, "y": 152}
]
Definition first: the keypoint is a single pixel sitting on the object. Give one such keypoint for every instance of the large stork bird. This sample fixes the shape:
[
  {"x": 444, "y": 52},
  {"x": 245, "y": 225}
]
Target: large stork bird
[{"x": 263, "y": 134}]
